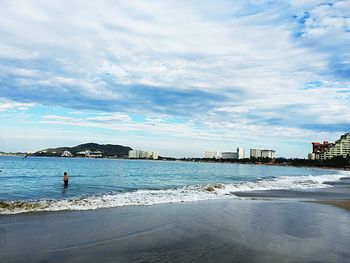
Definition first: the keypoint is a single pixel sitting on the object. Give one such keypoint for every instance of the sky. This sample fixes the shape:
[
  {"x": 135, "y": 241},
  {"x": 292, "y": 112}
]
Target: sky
[{"x": 177, "y": 77}]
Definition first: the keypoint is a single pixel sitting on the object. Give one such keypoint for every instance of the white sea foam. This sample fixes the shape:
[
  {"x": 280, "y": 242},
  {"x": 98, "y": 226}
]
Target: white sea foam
[{"x": 183, "y": 194}]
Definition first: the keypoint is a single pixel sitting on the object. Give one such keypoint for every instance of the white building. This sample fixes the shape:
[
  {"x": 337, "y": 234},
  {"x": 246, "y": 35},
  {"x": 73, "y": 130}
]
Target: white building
[
  {"x": 210, "y": 154},
  {"x": 229, "y": 155},
  {"x": 86, "y": 152},
  {"x": 132, "y": 154},
  {"x": 90, "y": 154},
  {"x": 268, "y": 154},
  {"x": 311, "y": 156},
  {"x": 139, "y": 154},
  {"x": 95, "y": 154},
  {"x": 66, "y": 154},
  {"x": 255, "y": 153},
  {"x": 144, "y": 154},
  {"x": 262, "y": 153},
  {"x": 154, "y": 155},
  {"x": 240, "y": 153}
]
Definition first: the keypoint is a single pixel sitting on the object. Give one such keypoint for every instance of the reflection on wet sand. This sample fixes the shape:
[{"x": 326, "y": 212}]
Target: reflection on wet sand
[{"x": 208, "y": 231}]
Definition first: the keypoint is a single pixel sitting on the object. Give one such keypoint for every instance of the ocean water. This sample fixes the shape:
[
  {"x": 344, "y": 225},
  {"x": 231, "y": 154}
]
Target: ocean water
[{"x": 36, "y": 183}]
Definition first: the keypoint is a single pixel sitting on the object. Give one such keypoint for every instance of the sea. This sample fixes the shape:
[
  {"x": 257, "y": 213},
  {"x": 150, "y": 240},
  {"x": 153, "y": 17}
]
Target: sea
[{"x": 36, "y": 183}]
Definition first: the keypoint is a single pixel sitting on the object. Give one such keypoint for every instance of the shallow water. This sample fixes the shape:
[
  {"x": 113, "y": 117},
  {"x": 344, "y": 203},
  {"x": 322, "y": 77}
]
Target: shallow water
[{"x": 98, "y": 183}]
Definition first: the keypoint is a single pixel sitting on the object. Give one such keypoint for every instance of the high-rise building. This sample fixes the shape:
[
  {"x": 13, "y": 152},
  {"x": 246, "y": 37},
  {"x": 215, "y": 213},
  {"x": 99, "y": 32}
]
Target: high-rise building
[
  {"x": 255, "y": 153},
  {"x": 327, "y": 150},
  {"x": 154, "y": 155},
  {"x": 139, "y": 154},
  {"x": 240, "y": 153},
  {"x": 133, "y": 154},
  {"x": 229, "y": 155},
  {"x": 144, "y": 154},
  {"x": 262, "y": 153},
  {"x": 318, "y": 148},
  {"x": 268, "y": 154}
]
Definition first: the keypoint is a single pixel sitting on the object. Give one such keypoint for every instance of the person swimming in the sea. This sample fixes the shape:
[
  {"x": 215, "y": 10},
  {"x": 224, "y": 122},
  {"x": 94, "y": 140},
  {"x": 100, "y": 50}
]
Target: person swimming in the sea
[{"x": 65, "y": 179}]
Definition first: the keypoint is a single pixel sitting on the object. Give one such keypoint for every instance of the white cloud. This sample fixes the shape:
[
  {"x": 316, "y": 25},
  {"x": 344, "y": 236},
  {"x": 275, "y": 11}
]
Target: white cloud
[
  {"x": 6, "y": 105},
  {"x": 114, "y": 117}
]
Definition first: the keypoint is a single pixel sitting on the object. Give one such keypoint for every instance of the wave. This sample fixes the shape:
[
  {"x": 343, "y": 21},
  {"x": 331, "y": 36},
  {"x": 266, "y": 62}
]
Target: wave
[{"x": 183, "y": 194}]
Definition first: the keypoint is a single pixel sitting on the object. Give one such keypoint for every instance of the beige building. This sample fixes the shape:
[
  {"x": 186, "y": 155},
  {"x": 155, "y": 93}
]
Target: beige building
[
  {"x": 211, "y": 154},
  {"x": 311, "y": 156}
]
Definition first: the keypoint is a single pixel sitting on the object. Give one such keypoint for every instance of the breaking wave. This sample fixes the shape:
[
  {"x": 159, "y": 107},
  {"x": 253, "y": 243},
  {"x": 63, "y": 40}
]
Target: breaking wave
[{"x": 182, "y": 194}]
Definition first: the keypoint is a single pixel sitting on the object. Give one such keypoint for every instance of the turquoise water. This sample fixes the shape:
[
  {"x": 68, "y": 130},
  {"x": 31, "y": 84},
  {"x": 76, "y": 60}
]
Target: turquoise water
[{"x": 124, "y": 182}]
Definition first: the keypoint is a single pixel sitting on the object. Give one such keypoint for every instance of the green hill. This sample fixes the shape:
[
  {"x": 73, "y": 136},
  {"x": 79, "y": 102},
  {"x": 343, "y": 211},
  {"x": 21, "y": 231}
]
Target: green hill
[{"x": 106, "y": 149}]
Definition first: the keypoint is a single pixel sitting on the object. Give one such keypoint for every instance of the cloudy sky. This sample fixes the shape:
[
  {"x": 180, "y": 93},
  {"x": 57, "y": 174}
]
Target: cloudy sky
[{"x": 179, "y": 77}]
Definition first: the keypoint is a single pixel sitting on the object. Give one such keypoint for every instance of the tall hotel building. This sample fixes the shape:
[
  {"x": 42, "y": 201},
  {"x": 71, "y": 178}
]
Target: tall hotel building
[
  {"x": 262, "y": 153},
  {"x": 238, "y": 154},
  {"x": 255, "y": 153},
  {"x": 326, "y": 150}
]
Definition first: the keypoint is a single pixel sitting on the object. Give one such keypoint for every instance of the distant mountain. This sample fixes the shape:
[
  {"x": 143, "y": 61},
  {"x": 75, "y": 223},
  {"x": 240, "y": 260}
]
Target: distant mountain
[{"x": 107, "y": 150}]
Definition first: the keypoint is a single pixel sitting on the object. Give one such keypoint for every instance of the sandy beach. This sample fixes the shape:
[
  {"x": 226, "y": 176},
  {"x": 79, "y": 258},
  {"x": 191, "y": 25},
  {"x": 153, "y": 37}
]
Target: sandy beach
[{"x": 206, "y": 231}]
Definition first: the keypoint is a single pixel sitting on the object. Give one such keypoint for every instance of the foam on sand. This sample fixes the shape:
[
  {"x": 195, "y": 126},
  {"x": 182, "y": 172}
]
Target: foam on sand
[{"x": 182, "y": 194}]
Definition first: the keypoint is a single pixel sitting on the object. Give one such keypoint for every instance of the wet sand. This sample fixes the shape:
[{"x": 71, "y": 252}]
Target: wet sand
[
  {"x": 209, "y": 231},
  {"x": 345, "y": 204}
]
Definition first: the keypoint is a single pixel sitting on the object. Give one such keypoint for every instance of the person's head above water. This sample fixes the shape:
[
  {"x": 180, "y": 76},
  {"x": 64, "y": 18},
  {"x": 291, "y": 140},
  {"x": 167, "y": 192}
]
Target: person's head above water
[{"x": 65, "y": 179}]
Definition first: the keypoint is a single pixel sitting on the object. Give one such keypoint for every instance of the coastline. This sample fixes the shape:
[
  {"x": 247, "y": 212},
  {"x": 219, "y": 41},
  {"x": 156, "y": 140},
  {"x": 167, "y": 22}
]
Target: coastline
[{"x": 198, "y": 160}]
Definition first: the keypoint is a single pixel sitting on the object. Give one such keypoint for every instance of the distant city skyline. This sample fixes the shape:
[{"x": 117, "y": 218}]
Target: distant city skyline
[{"x": 178, "y": 77}]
